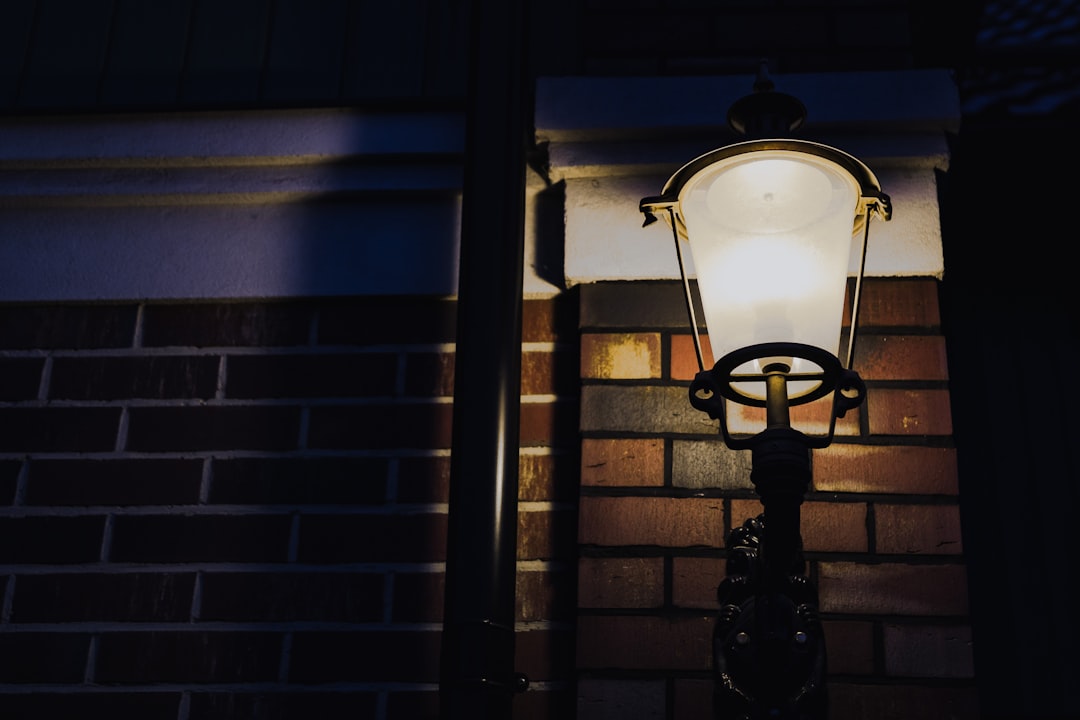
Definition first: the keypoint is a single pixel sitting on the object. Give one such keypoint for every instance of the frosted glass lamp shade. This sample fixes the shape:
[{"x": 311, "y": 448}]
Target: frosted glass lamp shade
[{"x": 771, "y": 236}]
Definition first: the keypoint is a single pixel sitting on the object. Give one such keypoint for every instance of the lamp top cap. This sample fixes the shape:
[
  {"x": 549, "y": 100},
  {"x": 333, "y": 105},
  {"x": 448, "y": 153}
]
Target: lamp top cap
[{"x": 766, "y": 112}]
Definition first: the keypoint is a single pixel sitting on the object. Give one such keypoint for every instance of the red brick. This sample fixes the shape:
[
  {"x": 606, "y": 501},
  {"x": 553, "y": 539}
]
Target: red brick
[
  {"x": 58, "y": 429},
  {"x": 45, "y": 539},
  {"x": 43, "y": 657},
  {"x": 200, "y": 538},
  {"x": 928, "y": 651},
  {"x": 387, "y": 656},
  {"x": 684, "y": 363},
  {"x": 430, "y": 374},
  {"x": 424, "y": 479},
  {"x": 542, "y": 373},
  {"x": 901, "y": 357},
  {"x": 303, "y": 481},
  {"x": 668, "y": 522},
  {"x": 375, "y": 320},
  {"x": 536, "y": 477},
  {"x": 112, "y": 378},
  {"x": 825, "y": 526},
  {"x": 372, "y": 538},
  {"x": 850, "y": 646},
  {"x": 918, "y": 529},
  {"x": 540, "y": 477},
  {"x": 885, "y": 469},
  {"x": 549, "y": 373},
  {"x": 549, "y": 319},
  {"x": 892, "y": 588},
  {"x": 114, "y": 482},
  {"x": 118, "y": 597},
  {"x": 741, "y": 509},
  {"x": 50, "y": 327},
  {"x": 834, "y": 527},
  {"x": 909, "y": 412},
  {"x": 620, "y": 356},
  {"x": 9, "y": 479},
  {"x": 644, "y": 642},
  {"x": 544, "y": 535},
  {"x": 163, "y": 429},
  {"x": 187, "y": 656},
  {"x": 20, "y": 378},
  {"x": 548, "y": 477},
  {"x": 544, "y": 653},
  {"x": 622, "y": 462},
  {"x": 379, "y": 426},
  {"x": 291, "y": 596},
  {"x": 419, "y": 596},
  {"x": 227, "y": 324},
  {"x": 546, "y": 424},
  {"x": 899, "y": 303},
  {"x": 545, "y": 594},
  {"x": 694, "y": 581},
  {"x": 901, "y": 702},
  {"x": 602, "y": 699},
  {"x": 620, "y": 582},
  {"x": 310, "y": 375}
]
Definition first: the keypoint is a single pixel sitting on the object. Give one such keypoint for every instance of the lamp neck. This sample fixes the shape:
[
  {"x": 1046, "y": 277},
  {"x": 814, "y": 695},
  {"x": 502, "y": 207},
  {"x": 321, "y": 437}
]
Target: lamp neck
[
  {"x": 777, "y": 408},
  {"x": 781, "y": 477}
]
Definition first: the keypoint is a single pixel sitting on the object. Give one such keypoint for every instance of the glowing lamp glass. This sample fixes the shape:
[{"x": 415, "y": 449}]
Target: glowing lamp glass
[{"x": 771, "y": 236}]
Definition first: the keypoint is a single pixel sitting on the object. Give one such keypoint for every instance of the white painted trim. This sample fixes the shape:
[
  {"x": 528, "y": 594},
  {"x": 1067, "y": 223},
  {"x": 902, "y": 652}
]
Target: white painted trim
[
  {"x": 229, "y": 205},
  {"x": 612, "y": 141}
]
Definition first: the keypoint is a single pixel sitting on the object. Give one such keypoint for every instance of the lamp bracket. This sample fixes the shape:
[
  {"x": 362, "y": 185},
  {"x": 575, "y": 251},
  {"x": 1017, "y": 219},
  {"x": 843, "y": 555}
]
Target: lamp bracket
[{"x": 768, "y": 643}]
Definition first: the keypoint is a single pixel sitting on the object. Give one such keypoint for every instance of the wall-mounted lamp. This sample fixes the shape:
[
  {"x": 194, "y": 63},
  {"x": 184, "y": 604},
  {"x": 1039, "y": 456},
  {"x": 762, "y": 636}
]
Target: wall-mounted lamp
[{"x": 772, "y": 224}]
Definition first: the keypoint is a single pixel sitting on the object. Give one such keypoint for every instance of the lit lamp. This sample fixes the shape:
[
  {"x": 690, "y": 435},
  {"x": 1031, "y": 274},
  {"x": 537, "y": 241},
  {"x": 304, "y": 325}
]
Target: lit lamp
[{"x": 772, "y": 226}]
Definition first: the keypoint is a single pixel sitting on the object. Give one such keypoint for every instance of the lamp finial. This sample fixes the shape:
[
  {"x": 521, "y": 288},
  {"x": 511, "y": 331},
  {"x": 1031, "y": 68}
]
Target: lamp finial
[{"x": 766, "y": 112}]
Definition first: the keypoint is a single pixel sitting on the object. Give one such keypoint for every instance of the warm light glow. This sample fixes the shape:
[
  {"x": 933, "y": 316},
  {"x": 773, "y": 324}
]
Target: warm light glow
[{"x": 770, "y": 233}]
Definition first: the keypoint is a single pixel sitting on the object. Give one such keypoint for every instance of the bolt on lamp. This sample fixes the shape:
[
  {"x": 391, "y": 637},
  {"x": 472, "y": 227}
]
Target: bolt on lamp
[{"x": 772, "y": 224}]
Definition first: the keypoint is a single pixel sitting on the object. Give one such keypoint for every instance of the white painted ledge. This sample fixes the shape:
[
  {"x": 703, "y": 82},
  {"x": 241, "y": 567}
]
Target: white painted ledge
[
  {"x": 613, "y": 141},
  {"x": 229, "y": 205}
]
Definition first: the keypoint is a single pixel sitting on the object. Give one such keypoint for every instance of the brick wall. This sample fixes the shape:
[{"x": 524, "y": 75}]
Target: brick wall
[
  {"x": 239, "y": 510},
  {"x": 660, "y": 492}
]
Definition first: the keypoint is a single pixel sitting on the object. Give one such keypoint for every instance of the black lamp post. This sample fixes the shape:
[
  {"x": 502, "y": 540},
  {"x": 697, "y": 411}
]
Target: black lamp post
[{"x": 773, "y": 224}]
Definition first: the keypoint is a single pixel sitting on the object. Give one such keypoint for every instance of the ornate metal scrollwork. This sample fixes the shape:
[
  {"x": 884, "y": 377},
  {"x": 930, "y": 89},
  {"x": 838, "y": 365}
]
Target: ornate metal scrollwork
[{"x": 768, "y": 646}]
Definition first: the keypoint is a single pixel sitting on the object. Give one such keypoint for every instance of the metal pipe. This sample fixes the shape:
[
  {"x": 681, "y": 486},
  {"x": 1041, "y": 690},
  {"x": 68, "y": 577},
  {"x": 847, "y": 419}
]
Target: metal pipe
[
  {"x": 477, "y": 678},
  {"x": 777, "y": 411}
]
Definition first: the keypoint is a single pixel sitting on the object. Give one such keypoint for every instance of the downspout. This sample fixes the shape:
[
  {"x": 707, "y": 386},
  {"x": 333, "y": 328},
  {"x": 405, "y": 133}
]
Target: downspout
[{"x": 477, "y": 678}]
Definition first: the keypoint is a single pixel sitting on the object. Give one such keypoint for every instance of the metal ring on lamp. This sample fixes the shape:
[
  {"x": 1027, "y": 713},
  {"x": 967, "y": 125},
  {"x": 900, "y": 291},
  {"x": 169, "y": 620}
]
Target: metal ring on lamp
[{"x": 827, "y": 379}]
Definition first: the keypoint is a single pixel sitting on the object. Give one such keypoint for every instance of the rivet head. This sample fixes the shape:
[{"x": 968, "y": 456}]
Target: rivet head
[
  {"x": 742, "y": 638},
  {"x": 801, "y": 638}
]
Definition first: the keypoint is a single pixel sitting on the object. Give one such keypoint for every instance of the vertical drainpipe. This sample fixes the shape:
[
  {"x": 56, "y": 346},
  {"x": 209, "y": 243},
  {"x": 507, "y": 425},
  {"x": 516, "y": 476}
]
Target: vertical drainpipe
[{"x": 477, "y": 678}]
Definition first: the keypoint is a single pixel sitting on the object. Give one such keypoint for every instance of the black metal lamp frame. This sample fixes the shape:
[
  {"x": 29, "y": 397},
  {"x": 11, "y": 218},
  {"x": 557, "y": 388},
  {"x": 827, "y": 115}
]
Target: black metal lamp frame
[{"x": 768, "y": 646}]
